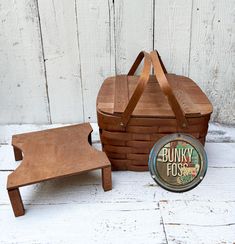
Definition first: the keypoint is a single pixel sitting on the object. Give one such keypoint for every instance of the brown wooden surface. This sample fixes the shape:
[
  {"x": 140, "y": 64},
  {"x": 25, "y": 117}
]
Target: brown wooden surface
[
  {"x": 16, "y": 202},
  {"x": 106, "y": 178},
  {"x": 121, "y": 94},
  {"x": 153, "y": 102},
  {"x": 165, "y": 103},
  {"x": 55, "y": 153}
]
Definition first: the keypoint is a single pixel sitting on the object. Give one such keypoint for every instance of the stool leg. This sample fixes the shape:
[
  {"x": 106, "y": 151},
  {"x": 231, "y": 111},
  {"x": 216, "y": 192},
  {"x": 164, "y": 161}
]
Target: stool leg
[
  {"x": 16, "y": 202},
  {"x": 17, "y": 153},
  {"x": 107, "y": 178}
]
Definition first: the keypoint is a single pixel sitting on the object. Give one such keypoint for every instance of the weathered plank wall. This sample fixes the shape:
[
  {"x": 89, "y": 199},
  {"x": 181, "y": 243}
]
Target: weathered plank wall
[{"x": 54, "y": 55}]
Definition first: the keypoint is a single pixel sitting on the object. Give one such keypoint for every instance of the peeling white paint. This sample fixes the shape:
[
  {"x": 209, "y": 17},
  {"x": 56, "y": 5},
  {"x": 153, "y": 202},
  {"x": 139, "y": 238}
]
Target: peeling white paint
[{"x": 54, "y": 55}]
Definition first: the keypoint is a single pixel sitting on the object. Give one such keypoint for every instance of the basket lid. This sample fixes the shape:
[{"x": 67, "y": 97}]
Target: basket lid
[{"x": 116, "y": 91}]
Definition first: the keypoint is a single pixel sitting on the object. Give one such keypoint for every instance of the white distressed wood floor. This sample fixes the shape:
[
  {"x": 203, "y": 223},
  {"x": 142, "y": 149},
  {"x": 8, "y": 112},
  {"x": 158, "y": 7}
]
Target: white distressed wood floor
[{"x": 77, "y": 210}]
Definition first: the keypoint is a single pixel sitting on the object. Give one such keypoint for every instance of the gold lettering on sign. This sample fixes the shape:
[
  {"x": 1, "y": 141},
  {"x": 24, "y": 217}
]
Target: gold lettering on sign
[
  {"x": 177, "y": 155},
  {"x": 177, "y": 159}
]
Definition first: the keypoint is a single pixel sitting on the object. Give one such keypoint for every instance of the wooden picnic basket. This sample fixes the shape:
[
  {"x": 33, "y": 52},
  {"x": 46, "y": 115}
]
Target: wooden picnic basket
[{"x": 135, "y": 111}]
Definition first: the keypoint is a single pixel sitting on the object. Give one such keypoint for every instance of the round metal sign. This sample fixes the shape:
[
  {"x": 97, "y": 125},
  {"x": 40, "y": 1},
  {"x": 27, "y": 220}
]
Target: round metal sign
[{"x": 178, "y": 162}]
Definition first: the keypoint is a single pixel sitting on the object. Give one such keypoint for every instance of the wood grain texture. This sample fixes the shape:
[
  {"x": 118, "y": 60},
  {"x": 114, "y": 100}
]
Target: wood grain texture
[
  {"x": 135, "y": 211},
  {"x": 61, "y": 52},
  {"x": 212, "y": 59},
  {"x": 23, "y": 93},
  {"x": 172, "y": 25},
  {"x": 96, "y": 56},
  {"x": 121, "y": 97},
  {"x": 144, "y": 106},
  {"x": 133, "y": 28},
  {"x": 16, "y": 202},
  {"x": 191, "y": 229},
  {"x": 127, "y": 186},
  {"x": 7, "y": 161},
  {"x": 218, "y": 135},
  {"x": 89, "y": 223},
  {"x": 62, "y": 60},
  {"x": 54, "y": 153}
]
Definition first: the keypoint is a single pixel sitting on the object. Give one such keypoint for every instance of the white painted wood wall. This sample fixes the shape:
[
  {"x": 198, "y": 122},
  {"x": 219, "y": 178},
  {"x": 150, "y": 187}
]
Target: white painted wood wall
[{"x": 54, "y": 54}]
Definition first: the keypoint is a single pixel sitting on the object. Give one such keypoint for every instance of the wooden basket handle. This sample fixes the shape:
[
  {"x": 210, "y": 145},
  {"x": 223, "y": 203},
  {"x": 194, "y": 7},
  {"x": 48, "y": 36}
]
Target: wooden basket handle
[
  {"x": 166, "y": 88},
  {"x": 159, "y": 70},
  {"x": 138, "y": 60},
  {"x": 142, "y": 82}
]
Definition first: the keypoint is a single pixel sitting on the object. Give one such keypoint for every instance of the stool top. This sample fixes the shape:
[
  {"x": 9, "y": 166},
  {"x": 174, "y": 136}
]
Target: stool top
[{"x": 55, "y": 153}]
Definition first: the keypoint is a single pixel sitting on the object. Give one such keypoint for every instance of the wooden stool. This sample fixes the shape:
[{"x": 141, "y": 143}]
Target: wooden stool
[{"x": 51, "y": 154}]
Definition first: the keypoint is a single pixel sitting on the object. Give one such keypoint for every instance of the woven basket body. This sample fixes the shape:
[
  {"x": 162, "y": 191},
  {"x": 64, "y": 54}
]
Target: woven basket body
[{"x": 135, "y": 111}]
